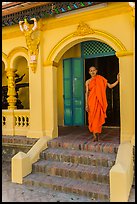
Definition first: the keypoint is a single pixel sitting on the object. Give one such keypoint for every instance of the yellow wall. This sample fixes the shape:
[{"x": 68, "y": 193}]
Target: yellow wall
[{"x": 13, "y": 41}]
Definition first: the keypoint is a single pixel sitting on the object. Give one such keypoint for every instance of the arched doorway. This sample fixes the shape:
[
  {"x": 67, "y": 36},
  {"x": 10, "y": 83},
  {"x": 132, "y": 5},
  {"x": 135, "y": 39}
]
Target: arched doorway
[{"x": 75, "y": 73}]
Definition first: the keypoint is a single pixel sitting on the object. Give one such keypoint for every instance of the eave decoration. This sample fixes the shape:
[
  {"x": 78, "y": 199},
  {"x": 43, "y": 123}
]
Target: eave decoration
[{"x": 32, "y": 35}]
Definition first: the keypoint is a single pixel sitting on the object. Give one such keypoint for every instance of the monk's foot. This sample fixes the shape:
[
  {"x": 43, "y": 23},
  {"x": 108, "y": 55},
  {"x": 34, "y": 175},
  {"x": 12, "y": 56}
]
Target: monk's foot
[
  {"x": 93, "y": 139},
  {"x": 98, "y": 139}
]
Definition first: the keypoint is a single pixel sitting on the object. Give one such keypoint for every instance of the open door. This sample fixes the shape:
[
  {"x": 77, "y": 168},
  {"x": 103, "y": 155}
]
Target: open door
[{"x": 73, "y": 81}]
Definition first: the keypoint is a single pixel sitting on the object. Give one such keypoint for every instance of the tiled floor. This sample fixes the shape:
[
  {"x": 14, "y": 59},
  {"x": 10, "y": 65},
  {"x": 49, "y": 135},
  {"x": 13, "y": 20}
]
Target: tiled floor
[{"x": 109, "y": 134}]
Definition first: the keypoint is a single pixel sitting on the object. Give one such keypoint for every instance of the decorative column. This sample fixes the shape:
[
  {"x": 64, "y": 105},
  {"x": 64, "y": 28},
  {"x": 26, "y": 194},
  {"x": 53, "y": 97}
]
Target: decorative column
[
  {"x": 11, "y": 90},
  {"x": 50, "y": 98}
]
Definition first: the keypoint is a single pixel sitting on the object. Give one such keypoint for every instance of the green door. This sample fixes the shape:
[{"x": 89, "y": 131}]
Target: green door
[{"x": 73, "y": 81}]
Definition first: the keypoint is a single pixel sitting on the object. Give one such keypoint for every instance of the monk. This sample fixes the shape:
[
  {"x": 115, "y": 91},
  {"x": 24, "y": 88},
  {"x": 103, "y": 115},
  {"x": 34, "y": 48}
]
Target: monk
[{"x": 96, "y": 101}]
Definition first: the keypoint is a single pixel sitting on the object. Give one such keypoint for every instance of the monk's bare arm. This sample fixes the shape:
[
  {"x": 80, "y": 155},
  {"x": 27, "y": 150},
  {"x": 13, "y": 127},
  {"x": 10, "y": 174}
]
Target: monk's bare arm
[
  {"x": 114, "y": 84},
  {"x": 86, "y": 95}
]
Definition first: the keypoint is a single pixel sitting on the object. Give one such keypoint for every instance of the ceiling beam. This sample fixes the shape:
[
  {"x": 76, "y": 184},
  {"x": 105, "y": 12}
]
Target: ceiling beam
[{"x": 20, "y": 6}]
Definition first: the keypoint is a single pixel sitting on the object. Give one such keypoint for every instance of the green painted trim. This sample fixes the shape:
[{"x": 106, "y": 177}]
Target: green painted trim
[
  {"x": 99, "y": 55},
  {"x": 96, "y": 49}
]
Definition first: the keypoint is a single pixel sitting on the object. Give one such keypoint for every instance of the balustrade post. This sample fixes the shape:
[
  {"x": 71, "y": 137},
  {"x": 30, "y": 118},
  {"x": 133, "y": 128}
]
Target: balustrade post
[{"x": 9, "y": 127}]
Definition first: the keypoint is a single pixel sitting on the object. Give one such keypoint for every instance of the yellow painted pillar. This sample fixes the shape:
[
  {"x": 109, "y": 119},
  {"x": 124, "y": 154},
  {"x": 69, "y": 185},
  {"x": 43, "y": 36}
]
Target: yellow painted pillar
[
  {"x": 36, "y": 100},
  {"x": 50, "y": 98},
  {"x": 11, "y": 89},
  {"x": 127, "y": 88},
  {"x": 133, "y": 20}
]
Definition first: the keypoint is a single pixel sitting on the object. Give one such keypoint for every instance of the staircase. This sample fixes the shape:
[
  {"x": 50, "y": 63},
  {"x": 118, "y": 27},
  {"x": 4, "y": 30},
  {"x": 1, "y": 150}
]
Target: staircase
[{"x": 75, "y": 165}]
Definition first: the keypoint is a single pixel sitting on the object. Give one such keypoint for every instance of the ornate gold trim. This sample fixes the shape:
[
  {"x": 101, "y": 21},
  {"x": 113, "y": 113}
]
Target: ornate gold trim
[
  {"x": 124, "y": 53},
  {"x": 32, "y": 36},
  {"x": 53, "y": 63},
  {"x": 60, "y": 43},
  {"x": 5, "y": 59},
  {"x": 17, "y": 50},
  {"x": 112, "y": 38},
  {"x": 4, "y": 56},
  {"x": 82, "y": 30}
]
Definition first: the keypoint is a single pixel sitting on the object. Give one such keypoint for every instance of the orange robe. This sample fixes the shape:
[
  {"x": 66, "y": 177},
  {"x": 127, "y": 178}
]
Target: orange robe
[{"x": 97, "y": 103}]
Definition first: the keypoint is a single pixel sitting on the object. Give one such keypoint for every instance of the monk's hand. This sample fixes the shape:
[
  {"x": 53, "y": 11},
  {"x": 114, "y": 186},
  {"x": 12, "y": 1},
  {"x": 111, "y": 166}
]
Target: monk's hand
[
  {"x": 118, "y": 77},
  {"x": 86, "y": 108}
]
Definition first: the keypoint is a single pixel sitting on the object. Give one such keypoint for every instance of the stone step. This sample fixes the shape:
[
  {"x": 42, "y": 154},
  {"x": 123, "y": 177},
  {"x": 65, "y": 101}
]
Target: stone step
[
  {"x": 74, "y": 171},
  {"x": 86, "y": 188},
  {"x": 83, "y": 144},
  {"x": 18, "y": 140},
  {"x": 79, "y": 157}
]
